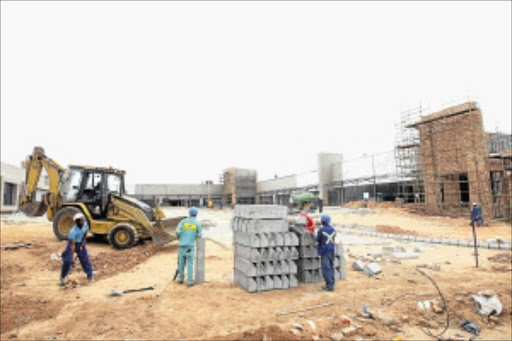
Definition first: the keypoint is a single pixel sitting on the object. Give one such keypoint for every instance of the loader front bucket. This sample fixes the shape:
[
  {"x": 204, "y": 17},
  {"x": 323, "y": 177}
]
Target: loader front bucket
[
  {"x": 34, "y": 209},
  {"x": 165, "y": 230}
]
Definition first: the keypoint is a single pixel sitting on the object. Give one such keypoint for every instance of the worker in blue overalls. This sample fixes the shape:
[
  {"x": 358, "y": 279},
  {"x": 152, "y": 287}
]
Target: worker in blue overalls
[
  {"x": 189, "y": 229},
  {"x": 76, "y": 243},
  {"x": 327, "y": 250},
  {"x": 476, "y": 215}
]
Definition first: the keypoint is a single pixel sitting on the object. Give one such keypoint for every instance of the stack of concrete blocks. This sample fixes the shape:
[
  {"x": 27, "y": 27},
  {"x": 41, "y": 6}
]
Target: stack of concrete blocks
[
  {"x": 309, "y": 266},
  {"x": 265, "y": 251}
]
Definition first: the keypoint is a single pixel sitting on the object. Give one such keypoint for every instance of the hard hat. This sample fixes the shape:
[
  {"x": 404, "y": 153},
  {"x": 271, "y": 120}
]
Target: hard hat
[
  {"x": 325, "y": 218},
  {"x": 474, "y": 204},
  {"x": 303, "y": 213},
  {"x": 192, "y": 211},
  {"x": 78, "y": 216}
]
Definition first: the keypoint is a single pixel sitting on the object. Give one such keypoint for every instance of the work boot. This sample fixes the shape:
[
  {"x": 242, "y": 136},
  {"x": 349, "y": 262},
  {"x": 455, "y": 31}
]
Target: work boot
[
  {"x": 62, "y": 281},
  {"x": 190, "y": 285},
  {"x": 90, "y": 278},
  {"x": 180, "y": 281},
  {"x": 325, "y": 288}
]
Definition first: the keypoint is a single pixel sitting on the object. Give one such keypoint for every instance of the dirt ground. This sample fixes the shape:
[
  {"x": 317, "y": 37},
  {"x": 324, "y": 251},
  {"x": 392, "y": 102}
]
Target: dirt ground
[{"x": 33, "y": 306}]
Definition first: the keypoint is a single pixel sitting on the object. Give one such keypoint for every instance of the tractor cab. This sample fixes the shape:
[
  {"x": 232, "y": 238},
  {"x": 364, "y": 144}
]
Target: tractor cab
[{"x": 93, "y": 186}]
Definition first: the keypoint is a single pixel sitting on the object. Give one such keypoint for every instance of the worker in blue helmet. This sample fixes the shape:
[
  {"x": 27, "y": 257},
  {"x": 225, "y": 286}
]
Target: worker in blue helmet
[
  {"x": 327, "y": 250},
  {"x": 189, "y": 229}
]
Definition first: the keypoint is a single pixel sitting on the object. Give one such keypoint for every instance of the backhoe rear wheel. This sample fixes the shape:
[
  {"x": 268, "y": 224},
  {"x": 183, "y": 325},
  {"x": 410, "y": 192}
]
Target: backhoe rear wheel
[
  {"x": 63, "y": 222},
  {"x": 123, "y": 236}
]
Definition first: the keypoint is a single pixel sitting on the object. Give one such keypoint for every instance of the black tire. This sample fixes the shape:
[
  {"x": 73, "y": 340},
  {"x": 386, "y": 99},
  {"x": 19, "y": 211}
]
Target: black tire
[
  {"x": 63, "y": 222},
  {"x": 123, "y": 236}
]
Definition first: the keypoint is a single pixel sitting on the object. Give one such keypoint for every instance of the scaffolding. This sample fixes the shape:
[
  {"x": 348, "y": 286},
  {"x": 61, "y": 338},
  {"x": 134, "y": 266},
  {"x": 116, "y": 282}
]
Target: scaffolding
[
  {"x": 407, "y": 157},
  {"x": 444, "y": 161}
]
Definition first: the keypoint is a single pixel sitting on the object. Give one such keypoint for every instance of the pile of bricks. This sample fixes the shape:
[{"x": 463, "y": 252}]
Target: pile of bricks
[
  {"x": 309, "y": 266},
  {"x": 265, "y": 251}
]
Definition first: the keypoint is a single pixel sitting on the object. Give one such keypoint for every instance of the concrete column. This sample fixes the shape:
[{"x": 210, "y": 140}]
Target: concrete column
[{"x": 199, "y": 276}]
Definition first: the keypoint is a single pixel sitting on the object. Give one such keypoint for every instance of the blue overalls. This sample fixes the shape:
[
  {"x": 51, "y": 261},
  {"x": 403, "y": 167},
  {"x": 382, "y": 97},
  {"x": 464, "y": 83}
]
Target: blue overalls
[
  {"x": 327, "y": 250},
  {"x": 476, "y": 216},
  {"x": 188, "y": 231},
  {"x": 77, "y": 235}
]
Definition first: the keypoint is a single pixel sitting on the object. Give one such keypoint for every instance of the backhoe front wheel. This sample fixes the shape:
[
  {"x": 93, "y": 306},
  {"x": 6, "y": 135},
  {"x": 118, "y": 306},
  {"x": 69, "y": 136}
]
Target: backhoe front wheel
[
  {"x": 123, "y": 236},
  {"x": 63, "y": 222}
]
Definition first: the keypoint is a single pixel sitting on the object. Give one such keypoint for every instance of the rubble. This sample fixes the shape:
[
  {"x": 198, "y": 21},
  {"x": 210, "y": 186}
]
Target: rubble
[
  {"x": 372, "y": 269},
  {"x": 487, "y": 303}
]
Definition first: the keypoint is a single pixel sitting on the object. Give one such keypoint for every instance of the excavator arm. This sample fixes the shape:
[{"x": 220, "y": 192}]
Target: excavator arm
[{"x": 51, "y": 201}]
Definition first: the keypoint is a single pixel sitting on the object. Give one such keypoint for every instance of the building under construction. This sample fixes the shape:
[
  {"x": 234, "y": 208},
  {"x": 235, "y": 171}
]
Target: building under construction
[{"x": 447, "y": 161}]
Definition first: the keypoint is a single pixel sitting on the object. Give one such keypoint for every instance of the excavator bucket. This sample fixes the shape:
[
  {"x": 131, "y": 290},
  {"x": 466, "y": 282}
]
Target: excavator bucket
[
  {"x": 34, "y": 209},
  {"x": 165, "y": 230}
]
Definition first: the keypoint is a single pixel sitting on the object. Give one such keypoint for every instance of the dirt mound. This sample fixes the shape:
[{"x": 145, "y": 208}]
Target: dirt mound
[
  {"x": 272, "y": 332},
  {"x": 505, "y": 257},
  {"x": 394, "y": 229},
  {"x": 355, "y": 204},
  {"x": 21, "y": 310}
]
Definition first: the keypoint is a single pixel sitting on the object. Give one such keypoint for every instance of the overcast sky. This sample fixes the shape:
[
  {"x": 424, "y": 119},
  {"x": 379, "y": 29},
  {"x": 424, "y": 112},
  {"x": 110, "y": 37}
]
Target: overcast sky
[{"x": 175, "y": 92}]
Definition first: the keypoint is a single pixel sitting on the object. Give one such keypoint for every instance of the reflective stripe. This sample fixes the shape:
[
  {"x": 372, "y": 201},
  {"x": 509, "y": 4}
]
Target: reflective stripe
[
  {"x": 330, "y": 237},
  {"x": 188, "y": 226}
]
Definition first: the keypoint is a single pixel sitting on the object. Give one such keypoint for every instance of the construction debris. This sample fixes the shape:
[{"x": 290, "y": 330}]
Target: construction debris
[
  {"x": 15, "y": 246},
  {"x": 487, "y": 303}
]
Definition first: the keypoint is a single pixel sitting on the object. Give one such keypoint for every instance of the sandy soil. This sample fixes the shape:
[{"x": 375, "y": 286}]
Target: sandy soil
[{"x": 33, "y": 306}]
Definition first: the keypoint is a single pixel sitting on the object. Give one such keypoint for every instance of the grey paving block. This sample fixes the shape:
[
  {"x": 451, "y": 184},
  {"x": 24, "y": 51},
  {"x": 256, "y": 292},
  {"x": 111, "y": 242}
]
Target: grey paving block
[
  {"x": 261, "y": 211},
  {"x": 306, "y": 239},
  {"x": 275, "y": 239},
  {"x": 246, "y": 267},
  {"x": 387, "y": 250},
  {"x": 463, "y": 242},
  {"x": 494, "y": 245},
  {"x": 418, "y": 249},
  {"x": 265, "y": 225},
  {"x": 506, "y": 246},
  {"x": 404, "y": 255},
  {"x": 358, "y": 265},
  {"x": 372, "y": 269},
  {"x": 292, "y": 266},
  {"x": 254, "y": 255},
  {"x": 454, "y": 241},
  {"x": 435, "y": 240},
  {"x": 291, "y": 239},
  {"x": 269, "y": 283},
  {"x": 293, "y": 281},
  {"x": 278, "y": 282},
  {"x": 483, "y": 245},
  {"x": 445, "y": 241},
  {"x": 340, "y": 249},
  {"x": 250, "y": 239},
  {"x": 250, "y": 284},
  {"x": 285, "y": 282},
  {"x": 400, "y": 248},
  {"x": 307, "y": 251},
  {"x": 279, "y": 267},
  {"x": 294, "y": 252},
  {"x": 340, "y": 274},
  {"x": 421, "y": 239}
]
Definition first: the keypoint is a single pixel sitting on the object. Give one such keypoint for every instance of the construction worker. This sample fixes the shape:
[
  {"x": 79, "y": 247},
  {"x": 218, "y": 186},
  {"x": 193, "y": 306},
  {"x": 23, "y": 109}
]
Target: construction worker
[
  {"x": 327, "y": 250},
  {"x": 189, "y": 229},
  {"x": 310, "y": 224},
  {"x": 76, "y": 244},
  {"x": 476, "y": 215}
]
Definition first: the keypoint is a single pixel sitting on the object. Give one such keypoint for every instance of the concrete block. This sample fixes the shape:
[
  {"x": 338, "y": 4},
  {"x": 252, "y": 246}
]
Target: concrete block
[
  {"x": 454, "y": 241},
  {"x": 291, "y": 239},
  {"x": 269, "y": 283},
  {"x": 265, "y": 225},
  {"x": 340, "y": 274},
  {"x": 483, "y": 245},
  {"x": 372, "y": 269},
  {"x": 358, "y": 265},
  {"x": 287, "y": 251},
  {"x": 418, "y": 249},
  {"x": 307, "y": 251},
  {"x": 261, "y": 211},
  {"x": 400, "y": 248},
  {"x": 340, "y": 261},
  {"x": 254, "y": 255},
  {"x": 199, "y": 276},
  {"x": 278, "y": 282},
  {"x": 306, "y": 239},
  {"x": 275, "y": 239},
  {"x": 279, "y": 267},
  {"x": 494, "y": 245},
  {"x": 248, "y": 239},
  {"x": 246, "y": 267},
  {"x": 506, "y": 246},
  {"x": 420, "y": 239},
  {"x": 293, "y": 281},
  {"x": 250, "y": 284},
  {"x": 387, "y": 250},
  {"x": 463, "y": 242},
  {"x": 292, "y": 266},
  {"x": 294, "y": 253},
  {"x": 340, "y": 249},
  {"x": 285, "y": 282},
  {"x": 435, "y": 241},
  {"x": 445, "y": 241},
  {"x": 404, "y": 255}
]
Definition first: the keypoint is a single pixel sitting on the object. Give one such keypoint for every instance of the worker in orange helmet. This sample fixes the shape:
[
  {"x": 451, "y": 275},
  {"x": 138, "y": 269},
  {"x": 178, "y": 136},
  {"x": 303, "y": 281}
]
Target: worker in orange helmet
[{"x": 310, "y": 224}]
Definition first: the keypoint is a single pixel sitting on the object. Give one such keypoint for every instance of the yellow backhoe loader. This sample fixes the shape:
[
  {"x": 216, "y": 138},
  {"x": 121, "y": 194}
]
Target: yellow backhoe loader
[{"x": 98, "y": 193}]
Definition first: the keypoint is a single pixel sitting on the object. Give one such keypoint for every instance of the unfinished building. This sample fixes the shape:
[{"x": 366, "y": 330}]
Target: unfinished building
[
  {"x": 447, "y": 161},
  {"x": 239, "y": 186}
]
